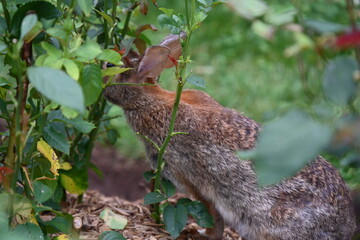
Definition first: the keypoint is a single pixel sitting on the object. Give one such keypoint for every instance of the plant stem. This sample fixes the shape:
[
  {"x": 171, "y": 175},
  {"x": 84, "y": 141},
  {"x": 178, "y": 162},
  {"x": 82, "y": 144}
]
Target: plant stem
[
  {"x": 180, "y": 85},
  {"x": 6, "y": 13},
  {"x": 92, "y": 136},
  {"x": 113, "y": 16},
  {"x": 126, "y": 24},
  {"x": 106, "y": 42}
]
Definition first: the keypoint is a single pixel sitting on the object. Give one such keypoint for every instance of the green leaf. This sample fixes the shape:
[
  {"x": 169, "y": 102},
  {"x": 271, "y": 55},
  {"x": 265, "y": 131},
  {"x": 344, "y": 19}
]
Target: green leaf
[
  {"x": 338, "y": 82},
  {"x": 5, "y": 78},
  {"x": 113, "y": 220},
  {"x": 78, "y": 123},
  {"x": 262, "y": 29},
  {"x": 4, "y": 224},
  {"x": 44, "y": 189},
  {"x": 75, "y": 181},
  {"x": 4, "y": 213},
  {"x": 2, "y": 46},
  {"x": 168, "y": 187},
  {"x": 183, "y": 201},
  {"x": 57, "y": 33},
  {"x": 88, "y": 51},
  {"x": 149, "y": 175},
  {"x": 110, "y": 56},
  {"x": 56, "y": 140},
  {"x": 57, "y": 86},
  {"x": 196, "y": 81},
  {"x": 27, "y": 24},
  {"x": 169, "y": 12},
  {"x": 43, "y": 9},
  {"x": 72, "y": 69},
  {"x": 153, "y": 197},
  {"x": 112, "y": 135},
  {"x": 28, "y": 231},
  {"x": 3, "y": 25},
  {"x": 106, "y": 17},
  {"x": 111, "y": 235},
  {"x": 175, "y": 219},
  {"x": 68, "y": 112},
  {"x": 206, "y": 2},
  {"x": 91, "y": 82},
  {"x": 200, "y": 213},
  {"x": 86, "y": 6},
  {"x": 113, "y": 71},
  {"x": 200, "y": 16},
  {"x": 249, "y": 9},
  {"x": 59, "y": 224},
  {"x": 287, "y": 144},
  {"x": 51, "y": 49},
  {"x": 22, "y": 206},
  {"x": 325, "y": 27},
  {"x": 279, "y": 18},
  {"x": 168, "y": 22}
]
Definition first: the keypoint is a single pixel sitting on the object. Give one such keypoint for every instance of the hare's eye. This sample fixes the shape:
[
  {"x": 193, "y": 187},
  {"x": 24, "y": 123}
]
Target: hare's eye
[{"x": 109, "y": 65}]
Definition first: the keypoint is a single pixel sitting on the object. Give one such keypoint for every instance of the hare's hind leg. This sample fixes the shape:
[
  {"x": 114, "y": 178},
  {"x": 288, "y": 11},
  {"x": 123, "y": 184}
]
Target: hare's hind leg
[{"x": 216, "y": 232}]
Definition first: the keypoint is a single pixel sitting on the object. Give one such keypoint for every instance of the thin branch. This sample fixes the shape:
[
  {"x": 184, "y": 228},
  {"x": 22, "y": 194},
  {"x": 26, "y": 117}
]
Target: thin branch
[
  {"x": 179, "y": 133},
  {"x": 127, "y": 20},
  {"x": 150, "y": 141}
]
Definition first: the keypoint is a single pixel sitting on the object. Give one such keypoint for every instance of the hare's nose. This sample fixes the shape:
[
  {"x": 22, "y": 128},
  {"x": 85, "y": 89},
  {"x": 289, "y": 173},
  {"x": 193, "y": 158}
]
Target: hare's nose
[{"x": 108, "y": 65}]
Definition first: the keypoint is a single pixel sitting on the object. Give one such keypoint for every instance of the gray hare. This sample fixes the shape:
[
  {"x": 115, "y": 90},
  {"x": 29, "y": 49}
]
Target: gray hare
[{"x": 315, "y": 204}]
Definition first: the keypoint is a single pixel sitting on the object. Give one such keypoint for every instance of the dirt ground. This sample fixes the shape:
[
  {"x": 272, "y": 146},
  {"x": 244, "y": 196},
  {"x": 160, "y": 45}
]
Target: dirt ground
[{"x": 122, "y": 178}]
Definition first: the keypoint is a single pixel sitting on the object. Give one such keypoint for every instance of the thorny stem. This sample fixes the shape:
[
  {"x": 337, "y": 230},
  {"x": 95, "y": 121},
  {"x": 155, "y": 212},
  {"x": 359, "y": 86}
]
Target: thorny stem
[
  {"x": 113, "y": 16},
  {"x": 181, "y": 82},
  {"x": 106, "y": 43},
  {"x": 127, "y": 20}
]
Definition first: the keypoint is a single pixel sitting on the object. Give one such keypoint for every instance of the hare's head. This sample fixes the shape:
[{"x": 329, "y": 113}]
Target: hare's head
[{"x": 145, "y": 68}]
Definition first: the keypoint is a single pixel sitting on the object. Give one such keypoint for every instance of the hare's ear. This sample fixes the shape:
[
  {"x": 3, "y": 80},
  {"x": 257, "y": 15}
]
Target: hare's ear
[
  {"x": 153, "y": 62},
  {"x": 173, "y": 43}
]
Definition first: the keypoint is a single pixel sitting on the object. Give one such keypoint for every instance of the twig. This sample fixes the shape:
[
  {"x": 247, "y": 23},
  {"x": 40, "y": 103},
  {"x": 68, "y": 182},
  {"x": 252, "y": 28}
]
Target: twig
[{"x": 150, "y": 141}]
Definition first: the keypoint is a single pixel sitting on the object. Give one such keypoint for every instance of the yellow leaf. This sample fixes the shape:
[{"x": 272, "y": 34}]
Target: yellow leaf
[
  {"x": 49, "y": 153},
  {"x": 65, "y": 166},
  {"x": 71, "y": 185},
  {"x": 62, "y": 237}
]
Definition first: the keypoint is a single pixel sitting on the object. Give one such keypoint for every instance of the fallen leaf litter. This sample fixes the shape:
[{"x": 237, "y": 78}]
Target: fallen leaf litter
[{"x": 140, "y": 224}]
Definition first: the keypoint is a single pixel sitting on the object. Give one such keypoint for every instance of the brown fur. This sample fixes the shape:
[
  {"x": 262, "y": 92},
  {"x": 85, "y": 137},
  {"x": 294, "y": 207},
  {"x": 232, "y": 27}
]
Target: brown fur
[{"x": 314, "y": 204}]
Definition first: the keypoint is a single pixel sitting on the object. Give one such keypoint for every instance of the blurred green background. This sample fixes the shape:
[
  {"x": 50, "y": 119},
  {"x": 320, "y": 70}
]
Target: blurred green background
[{"x": 243, "y": 70}]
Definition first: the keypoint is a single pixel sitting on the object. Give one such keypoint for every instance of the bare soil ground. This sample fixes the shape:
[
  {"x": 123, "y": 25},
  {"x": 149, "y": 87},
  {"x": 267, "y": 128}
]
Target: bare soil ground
[{"x": 121, "y": 177}]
